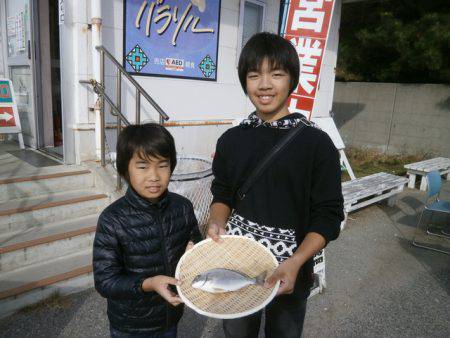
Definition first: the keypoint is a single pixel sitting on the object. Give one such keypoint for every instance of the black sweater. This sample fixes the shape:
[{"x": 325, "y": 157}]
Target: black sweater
[{"x": 301, "y": 188}]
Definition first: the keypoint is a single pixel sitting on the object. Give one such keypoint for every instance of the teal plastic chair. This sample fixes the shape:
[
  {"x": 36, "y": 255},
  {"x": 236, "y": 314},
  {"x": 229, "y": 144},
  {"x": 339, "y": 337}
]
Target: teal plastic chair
[{"x": 433, "y": 204}]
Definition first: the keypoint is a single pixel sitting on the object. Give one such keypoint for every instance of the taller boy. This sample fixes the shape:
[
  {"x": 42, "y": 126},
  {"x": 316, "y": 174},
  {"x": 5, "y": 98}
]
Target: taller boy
[{"x": 295, "y": 207}]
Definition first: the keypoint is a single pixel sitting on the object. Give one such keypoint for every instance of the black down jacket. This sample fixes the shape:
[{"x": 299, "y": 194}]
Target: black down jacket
[{"x": 136, "y": 239}]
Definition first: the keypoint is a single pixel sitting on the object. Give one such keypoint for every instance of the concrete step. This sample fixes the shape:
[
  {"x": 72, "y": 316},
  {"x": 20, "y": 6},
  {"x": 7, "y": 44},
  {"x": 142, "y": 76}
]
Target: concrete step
[
  {"x": 37, "y": 183},
  {"x": 31, "y": 284},
  {"x": 22, "y": 214},
  {"x": 44, "y": 242}
]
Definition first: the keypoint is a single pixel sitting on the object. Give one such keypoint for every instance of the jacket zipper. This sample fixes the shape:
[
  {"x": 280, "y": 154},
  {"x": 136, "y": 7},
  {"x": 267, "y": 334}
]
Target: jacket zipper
[{"x": 165, "y": 259}]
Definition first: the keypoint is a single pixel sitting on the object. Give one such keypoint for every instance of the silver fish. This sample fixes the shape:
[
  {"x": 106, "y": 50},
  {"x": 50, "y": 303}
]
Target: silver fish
[{"x": 225, "y": 280}]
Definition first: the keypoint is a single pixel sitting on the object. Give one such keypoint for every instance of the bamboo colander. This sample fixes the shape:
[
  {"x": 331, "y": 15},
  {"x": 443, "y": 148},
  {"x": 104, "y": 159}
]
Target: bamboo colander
[{"x": 238, "y": 253}]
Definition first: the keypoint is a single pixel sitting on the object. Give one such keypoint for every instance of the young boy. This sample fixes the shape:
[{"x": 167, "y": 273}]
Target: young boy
[
  {"x": 141, "y": 236},
  {"x": 295, "y": 207}
]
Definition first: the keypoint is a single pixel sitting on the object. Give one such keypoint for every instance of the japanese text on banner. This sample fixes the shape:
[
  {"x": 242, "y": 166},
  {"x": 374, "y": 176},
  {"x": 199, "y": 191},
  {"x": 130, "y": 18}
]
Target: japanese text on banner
[{"x": 307, "y": 27}]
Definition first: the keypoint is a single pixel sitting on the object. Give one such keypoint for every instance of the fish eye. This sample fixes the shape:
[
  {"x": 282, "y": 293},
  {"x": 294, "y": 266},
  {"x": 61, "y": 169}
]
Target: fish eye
[
  {"x": 198, "y": 281},
  {"x": 202, "y": 281}
]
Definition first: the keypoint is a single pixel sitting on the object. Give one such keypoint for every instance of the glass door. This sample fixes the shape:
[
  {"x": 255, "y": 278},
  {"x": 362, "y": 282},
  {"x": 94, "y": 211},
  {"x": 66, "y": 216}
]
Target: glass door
[{"x": 20, "y": 62}]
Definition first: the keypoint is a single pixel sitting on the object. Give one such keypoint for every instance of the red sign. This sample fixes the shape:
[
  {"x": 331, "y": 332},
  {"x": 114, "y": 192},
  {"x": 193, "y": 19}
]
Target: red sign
[
  {"x": 7, "y": 117},
  {"x": 309, "y": 18},
  {"x": 307, "y": 26}
]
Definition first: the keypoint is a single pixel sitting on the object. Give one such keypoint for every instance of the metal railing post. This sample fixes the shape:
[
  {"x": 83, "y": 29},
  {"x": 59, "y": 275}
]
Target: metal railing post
[
  {"x": 119, "y": 90},
  {"x": 119, "y": 179},
  {"x": 138, "y": 106},
  {"x": 119, "y": 121},
  {"x": 102, "y": 108}
]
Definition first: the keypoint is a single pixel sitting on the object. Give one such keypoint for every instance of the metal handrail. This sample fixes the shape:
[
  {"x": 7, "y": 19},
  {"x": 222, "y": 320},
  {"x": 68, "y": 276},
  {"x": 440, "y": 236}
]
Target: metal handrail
[
  {"x": 99, "y": 90},
  {"x": 138, "y": 87},
  {"x": 116, "y": 109}
]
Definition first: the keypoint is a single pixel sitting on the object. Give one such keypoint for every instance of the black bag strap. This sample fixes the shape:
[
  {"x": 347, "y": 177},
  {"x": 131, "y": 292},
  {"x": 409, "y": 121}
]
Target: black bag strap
[{"x": 264, "y": 163}]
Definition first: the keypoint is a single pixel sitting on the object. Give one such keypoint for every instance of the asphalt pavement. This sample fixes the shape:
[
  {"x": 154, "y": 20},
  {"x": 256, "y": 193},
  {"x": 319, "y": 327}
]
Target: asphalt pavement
[{"x": 378, "y": 285}]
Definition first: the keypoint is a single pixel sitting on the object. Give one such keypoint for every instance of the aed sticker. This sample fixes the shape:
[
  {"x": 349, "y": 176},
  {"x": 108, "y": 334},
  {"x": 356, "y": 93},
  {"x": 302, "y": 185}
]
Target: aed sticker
[{"x": 174, "y": 64}]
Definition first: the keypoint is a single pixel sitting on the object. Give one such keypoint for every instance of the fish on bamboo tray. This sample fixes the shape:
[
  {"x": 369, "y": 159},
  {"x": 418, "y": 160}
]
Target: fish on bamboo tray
[{"x": 225, "y": 280}]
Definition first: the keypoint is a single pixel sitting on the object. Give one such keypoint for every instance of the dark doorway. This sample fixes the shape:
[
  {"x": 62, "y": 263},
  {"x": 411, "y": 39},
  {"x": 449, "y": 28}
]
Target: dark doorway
[
  {"x": 50, "y": 126},
  {"x": 56, "y": 74}
]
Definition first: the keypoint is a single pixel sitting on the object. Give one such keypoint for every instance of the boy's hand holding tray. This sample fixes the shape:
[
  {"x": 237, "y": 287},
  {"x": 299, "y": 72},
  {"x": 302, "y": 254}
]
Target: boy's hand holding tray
[{"x": 239, "y": 254}]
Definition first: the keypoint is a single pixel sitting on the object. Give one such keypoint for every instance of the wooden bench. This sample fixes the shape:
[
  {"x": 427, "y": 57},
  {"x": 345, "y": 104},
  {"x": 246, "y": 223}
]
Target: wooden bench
[
  {"x": 441, "y": 164},
  {"x": 370, "y": 189},
  {"x": 360, "y": 192}
]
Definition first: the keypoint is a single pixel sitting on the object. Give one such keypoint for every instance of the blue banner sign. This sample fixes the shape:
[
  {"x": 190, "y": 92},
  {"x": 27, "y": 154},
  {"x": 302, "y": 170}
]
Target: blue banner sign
[{"x": 172, "y": 38}]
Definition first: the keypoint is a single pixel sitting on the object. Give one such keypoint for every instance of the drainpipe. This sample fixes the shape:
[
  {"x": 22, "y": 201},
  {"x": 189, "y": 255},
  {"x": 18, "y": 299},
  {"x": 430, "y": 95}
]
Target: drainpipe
[{"x": 96, "y": 22}]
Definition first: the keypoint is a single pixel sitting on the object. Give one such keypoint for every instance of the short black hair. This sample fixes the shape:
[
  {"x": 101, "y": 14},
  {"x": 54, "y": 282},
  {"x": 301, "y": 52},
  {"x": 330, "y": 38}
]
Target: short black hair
[
  {"x": 280, "y": 53},
  {"x": 150, "y": 139}
]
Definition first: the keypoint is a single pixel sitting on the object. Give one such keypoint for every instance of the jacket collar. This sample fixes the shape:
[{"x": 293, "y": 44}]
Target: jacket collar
[
  {"x": 286, "y": 122},
  {"x": 141, "y": 203}
]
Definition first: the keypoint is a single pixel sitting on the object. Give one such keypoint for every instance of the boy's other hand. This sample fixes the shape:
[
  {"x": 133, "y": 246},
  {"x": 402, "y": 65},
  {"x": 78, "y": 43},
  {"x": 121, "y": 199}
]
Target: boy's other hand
[
  {"x": 214, "y": 232},
  {"x": 286, "y": 273},
  {"x": 160, "y": 284},
  {"x": 189, "y": 246}
]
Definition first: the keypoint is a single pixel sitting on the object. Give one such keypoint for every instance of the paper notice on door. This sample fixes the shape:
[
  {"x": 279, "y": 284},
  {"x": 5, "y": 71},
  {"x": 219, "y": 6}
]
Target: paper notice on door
[
  {"x": 21, "y": 30},
  {"x": 61, "y": 11},
  {"x": 11, "y": 26}
]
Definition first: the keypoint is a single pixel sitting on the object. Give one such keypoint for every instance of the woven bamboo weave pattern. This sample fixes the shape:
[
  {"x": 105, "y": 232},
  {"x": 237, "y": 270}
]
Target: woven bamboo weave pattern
[{"x": 237, "y": 253}]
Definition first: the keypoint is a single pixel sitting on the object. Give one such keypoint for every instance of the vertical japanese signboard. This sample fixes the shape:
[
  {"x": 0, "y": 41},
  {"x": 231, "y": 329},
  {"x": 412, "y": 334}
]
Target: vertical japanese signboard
[
  {"x": 9, "y": 117},
  {"x": 172, "y": 38},
  {"x": 306, "y": 25}
]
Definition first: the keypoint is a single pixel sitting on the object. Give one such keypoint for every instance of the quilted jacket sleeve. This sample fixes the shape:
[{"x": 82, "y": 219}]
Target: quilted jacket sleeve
[
  {"x": 195, "y": 235},
  {"x": 110, "y": 279}
]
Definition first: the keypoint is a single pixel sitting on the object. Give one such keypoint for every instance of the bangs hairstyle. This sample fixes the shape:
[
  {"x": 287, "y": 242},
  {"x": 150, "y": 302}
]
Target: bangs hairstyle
[
  {"x": 146, "y": 140},
  {"x": 280, "y": 53}
]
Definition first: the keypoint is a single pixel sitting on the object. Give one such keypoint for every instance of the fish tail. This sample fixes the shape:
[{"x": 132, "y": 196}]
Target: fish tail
[{"x": 261, "y": 278}]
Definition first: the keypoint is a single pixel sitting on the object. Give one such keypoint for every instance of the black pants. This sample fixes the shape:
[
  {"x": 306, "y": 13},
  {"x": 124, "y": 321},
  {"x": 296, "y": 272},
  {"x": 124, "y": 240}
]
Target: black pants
[
  {"x": 170, "y": 333},
  {"x": 284, "y": 319}
]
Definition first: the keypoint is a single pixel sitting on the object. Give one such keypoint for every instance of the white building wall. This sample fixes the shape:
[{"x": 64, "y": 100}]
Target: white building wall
[
  {"x": 79, "y": 144},
  {"x": 181, "y": 99}
]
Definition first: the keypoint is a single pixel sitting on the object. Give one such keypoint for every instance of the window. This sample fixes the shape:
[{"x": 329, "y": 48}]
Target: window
[{"x": 251, "y": 20}]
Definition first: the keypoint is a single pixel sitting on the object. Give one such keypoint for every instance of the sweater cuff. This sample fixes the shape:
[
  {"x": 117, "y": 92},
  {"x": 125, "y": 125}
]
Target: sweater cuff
[
  {"x": 328, "y": 229},
  {"x": 218, "y": 199}
]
